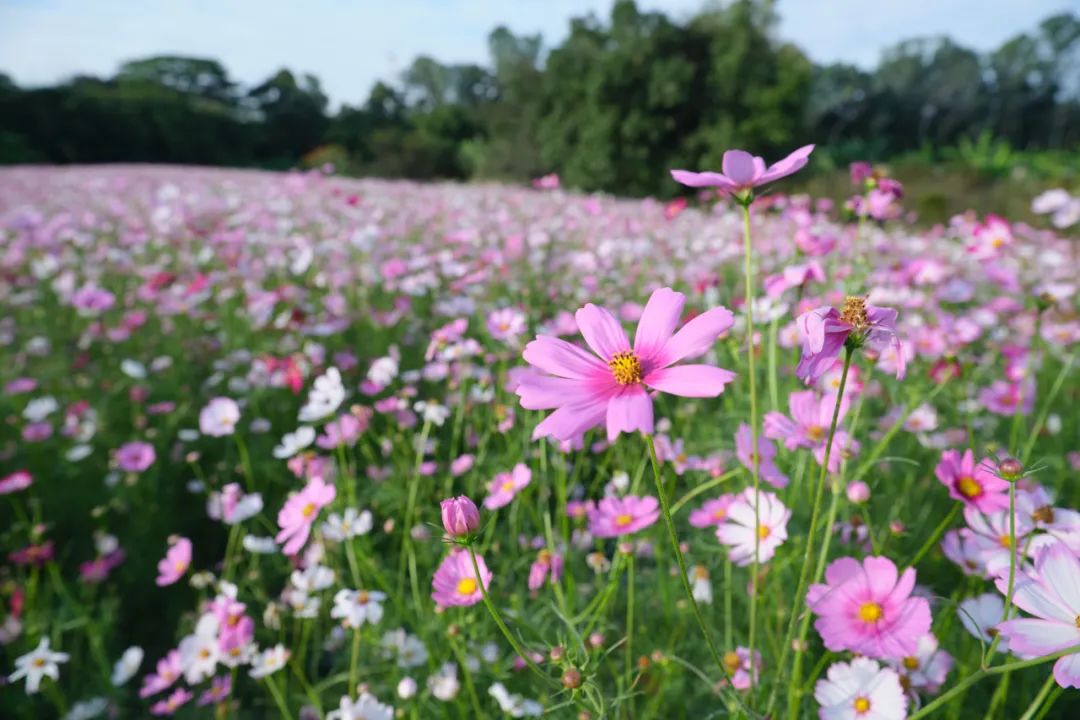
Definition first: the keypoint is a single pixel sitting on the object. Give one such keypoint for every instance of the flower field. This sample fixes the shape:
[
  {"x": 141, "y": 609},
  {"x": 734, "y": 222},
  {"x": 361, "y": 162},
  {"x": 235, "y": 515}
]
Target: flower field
[{"x": 302, "y": 446}]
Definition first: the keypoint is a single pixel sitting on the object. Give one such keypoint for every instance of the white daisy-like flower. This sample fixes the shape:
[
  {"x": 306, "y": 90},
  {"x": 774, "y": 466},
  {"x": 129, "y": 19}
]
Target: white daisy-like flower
[
  {"x": 128, "y": 664},
  {"x": 39, "y": 663},
  {"x": 269, "y": 661},
  {"x": 861, "y": 690},
  {"x": 348, "y": 525},
  {"x": 294, "y": 442},
  {"x": 326, "y": 396},
  {"x": 366, "y": 707},
  {"x": 356, "y": 607}
]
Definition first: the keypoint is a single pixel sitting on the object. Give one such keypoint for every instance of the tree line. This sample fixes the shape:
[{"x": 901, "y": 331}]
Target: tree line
[{"x": 612, "y": 107}]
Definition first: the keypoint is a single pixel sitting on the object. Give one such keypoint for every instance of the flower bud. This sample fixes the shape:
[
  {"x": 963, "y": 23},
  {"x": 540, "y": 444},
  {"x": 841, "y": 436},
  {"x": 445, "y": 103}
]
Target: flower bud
[
  {"x": 459, "y": 516},
  {"x": 571, "y": 679},
  {"x": 858, "y": 492},
  {"x": 1010, "y": 469}
]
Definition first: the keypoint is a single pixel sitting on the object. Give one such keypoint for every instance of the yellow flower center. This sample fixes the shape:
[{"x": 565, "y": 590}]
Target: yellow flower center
[
  {"x": 911, "y": 663},
  {"x": 39, "y": 662},
  {"x": 862, "y": 705},
  {"x": 732, "y": 660},
  {"x": 308, "y": 510},
  {"x": 719, "y": 514},
  {"x": 968, "y": 487},
  {"x": 1076, "y": 622},
  {"x": 1005, "y": 541},
  {"x": 1045, "y": 514},
  {"x": 763, "y": 531},
  {"x": 623, "y": 520},
  {"x": 362, "y": 597},
  {"x": 508, "y": 485},
  {"x": 466, "y": 586},
  {"x": 815, "y": 433},
  {"x": 870, "y": 612},
  {"x": 854, "y": 312},
  {"x": 625, "y": 367}
]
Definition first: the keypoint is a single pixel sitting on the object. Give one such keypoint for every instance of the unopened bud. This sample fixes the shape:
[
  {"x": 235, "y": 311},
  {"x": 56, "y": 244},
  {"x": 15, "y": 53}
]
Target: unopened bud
[
  {"x": 1010, "y": 469},
  {"x": 571, "y": 679}
]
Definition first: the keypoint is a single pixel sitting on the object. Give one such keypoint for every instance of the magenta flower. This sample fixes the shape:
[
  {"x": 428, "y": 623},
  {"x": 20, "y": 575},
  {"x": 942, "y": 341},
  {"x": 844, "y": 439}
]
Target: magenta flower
[
  {"x": 506, "y": 485},
  {"x": 743, "y": 171},
  {"x": 135, "y": 456},
  {"x": 867, "y": 609},
  {"x": 1052, "y": 595},
  {"x": 455, "y": 581},
  {"x": 825, "y": 330},
  {"x": 171, "y": 704},
  {"x": 737, "y": 663},
  {"x": 585, "y": 389},
  {"x": 546, "y": 564},
  {"x": 810, "y": 419},
  {"x": 974, "y": 485},
  {"x": 460, "y": 516},
  {"x": 744, "y": 450},
  {"x": 16, "y": 481},
  {"x": 793, "y": 276},
  {"x": 299, "y": 513},
  {"x": 175, "y": 563},
  {"x": 168, "y": 671},
  {"x": 614, "y": 516}
]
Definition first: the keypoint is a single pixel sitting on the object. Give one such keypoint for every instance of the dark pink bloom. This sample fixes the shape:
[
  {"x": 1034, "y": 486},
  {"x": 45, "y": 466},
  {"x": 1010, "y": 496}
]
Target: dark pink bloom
[
  {"x": 171, "y": 704},
  {"x": 460, "y": 516},
  {"x": 808, "y": 426},
  {"x": 743, "y": 171},
  {"x": 614, "y": 516},
  {"x": 546, "y": 564},
  {"x": 868, "y": 609},
  {"x": 175, "y": 563},
  {"x": 973, "y": 484},
  {"x": 16, "y": 481},
  {"x": 585, "y": 389},
  {"x": 217, "y": 692},
  {"x": 713, "y": 512},
  {"x": 33, "y": 554}
]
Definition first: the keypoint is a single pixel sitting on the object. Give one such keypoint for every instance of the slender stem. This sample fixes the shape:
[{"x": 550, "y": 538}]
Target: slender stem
[
  {"x": 1025, "y": 456},
  {"x": 630, "y": 619},
  {"x": 800, "y": 588},
  {"x": 879, "y": 448},
  {"x": 986, "y": 672},
  {"x": 408, "y": 553},
  {"x": 502, "y": 625},
  {"x": 245, "y": 462},
  {"x": 1038, "y": 701},
  {"x": 275, "y": 691},
  {"x": 755, "y": 462},
  {"x": 665, "y": 510},
  {"x": 354, "y": 662},
  {"x": 934, "y": 536},
  {"x": 1012, "y": 568}
]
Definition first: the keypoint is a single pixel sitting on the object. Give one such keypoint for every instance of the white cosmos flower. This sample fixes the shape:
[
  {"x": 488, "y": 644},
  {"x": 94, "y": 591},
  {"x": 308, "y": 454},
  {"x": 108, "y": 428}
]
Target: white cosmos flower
[
  {"x": 514, "y": 705},
  {"x": 259, "y": 545},
  {"x": 444, "y": 684},
  {"x": 409, "y": 649},
  {"x": 219, "y": 417},
  {"x": 349, "y": 525},
  {"x": 40, "y": 408},
  {"x": 269, "y": 661},
  {"x": 38, "y": 663},
  {"x": 78, "y": 452},
  {"x": 133, "y": 369},
  {"x": 432, "y": 412},
  {"x": 88, "y": 709},
  {"x": 294, "y": 442},
  {"x": 325, "y": 397},
  {"x": 128, "y": 664},
  {"x": 356, "y": 607},
  {"x": 738, "y": 531},
  {"x": 366, "y": 707},
  {"x": 199, "y": 652},
  {"x": 861, "y": 689},
  {"x": 312, "y": 578}
]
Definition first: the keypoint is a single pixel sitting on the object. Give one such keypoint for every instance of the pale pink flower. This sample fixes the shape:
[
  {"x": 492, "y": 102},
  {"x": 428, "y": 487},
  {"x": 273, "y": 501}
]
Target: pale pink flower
[
  {"x": 743, "y": 171},
  {"x": 135, "y": 456},
  {"x": 16, "y": 481},
  {"x": 744, "y": 444},
  {"x": 455, "y": 581},
  {"x": 613, "y": 516},
  {"x": 175, "y": 563},
  {"x": 926, "y": 669},
  {"x": 737, "y": 664},
  {"x": 712, "y": 512},
  {"x": 219, "y": 417},
  {"x": 506, "y": 485},
  {"x": 300, "y": 512}
]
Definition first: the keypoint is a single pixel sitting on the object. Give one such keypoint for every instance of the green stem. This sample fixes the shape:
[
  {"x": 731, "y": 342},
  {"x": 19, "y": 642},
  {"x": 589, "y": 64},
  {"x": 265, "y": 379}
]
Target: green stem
[
  {"x": 630, "y": 619},
  {"x": 1012, "y": 570},
  {"x": 408, "y": 554},
  {"x": 1039, "y": 698},
  {"x": 502, "y": 625},
  {"x": 275, "y": 691},
  {"x": 354, "y": 663},
  {"x": 984, "y": 672},
  {"x": 1037, "y": 428},
  {"x": 934, "y": 536},
  {"x": 755, "y": 462},
  {"x": 800, "y": 588}
]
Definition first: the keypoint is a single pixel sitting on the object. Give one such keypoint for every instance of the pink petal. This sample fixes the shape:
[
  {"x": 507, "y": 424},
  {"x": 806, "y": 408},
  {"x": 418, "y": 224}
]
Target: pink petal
[
  {"x": 628, "y": 412},
  {"x": 1030, "y": 636},
  {"x": 569, "y": 421},
  {"x": 740, "y": 167},
  {"x": 702, "y": 179},
  {"x": 696, "y": 336},
  {"x": 690, "y": 380},
  {"x": 1067, "y": 671},
  {"x": 658, "y": 321},
  {"x": 542, "y": 392},
  {"x": 791, "y": 164},
  {"x": 561, "y": 358},
  {"x": 601, "y": 331},
  {"x": 1060, "y": 571}
]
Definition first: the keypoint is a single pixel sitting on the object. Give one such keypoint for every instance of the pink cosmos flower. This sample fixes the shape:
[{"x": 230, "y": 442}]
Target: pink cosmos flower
[
  {"x": 926, "y": 669},
  {"x": 300, "y": 512},
  {"x": 1006, "y": 398},
  {"x": 345, "y": 430},
  {"x": 975, "y": 485},
  {"x": 738, "y": 531},
  {"x": 168, "y": 671},
  {"x": 585, "y": 389},
  {"x": 988, "y": 535},
  {"x": 713, "y": 512},
  {"x": 867, "y": 609},
  {"x": 546, "y": 564},
  {"x": 506, "y": 485},
  {"x": 615, "y": 516},
  {"x": 811, "y": 417},
  {"x": 171, "y": 704},
  {"x": 219, "y": 417},
  {"x": 455, "y": 581},
  {"x": 743, "y": 171},
  {"x": 1052, "y": 595},
  {"x": 217, "y": 692},
  {"x": 744, "y": 444},
  {"x": 506, "y": 324},
  {"x": 990, "y": 238},
  {"x": 459, "y": 516},
  {"x": 860, "y": 690},
  {"x": 825, "y": 330},
  {"x": 16, "y": 481},
  {"x": 737, "y": 664},
  {"x": 175, "y": 563},
  {"x": 793, "y": 276},
  {"x": 135, "y": 456}
]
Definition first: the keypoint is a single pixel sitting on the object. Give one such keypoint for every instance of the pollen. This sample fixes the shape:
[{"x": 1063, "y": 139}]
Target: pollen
[
  {"x": 625, "y": 367},
  {"x": 969, "y": 487},
  {"x": 362, "y": 597},
  {"x": 466, "y": 586},
  {"x": 911, "y": 663},
  {"x": 854, "y": 312},
  {"x": 732, "y": 660},
  {"x": 862, "y": 705},
  {"x": 763, "y": 531},
  {"x": 308, "y": 510},
  {"x": 623, "y": 520},
  {"x": 816, "y": 433},
  {"x": 870, "y": 612}
]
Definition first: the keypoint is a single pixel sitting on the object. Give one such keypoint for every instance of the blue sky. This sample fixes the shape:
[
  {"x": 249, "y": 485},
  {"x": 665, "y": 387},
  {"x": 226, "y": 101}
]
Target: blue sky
[{"x": 350, "y": 44}]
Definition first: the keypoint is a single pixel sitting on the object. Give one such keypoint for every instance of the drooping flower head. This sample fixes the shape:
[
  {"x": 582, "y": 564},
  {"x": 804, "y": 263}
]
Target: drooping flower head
[
  {"x": 825, "y": 331},
  {"x": 587, "y": 390},
  {"x": 867, "y": 608}
]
